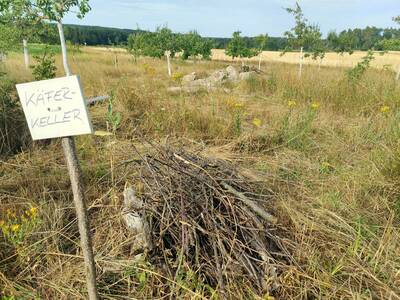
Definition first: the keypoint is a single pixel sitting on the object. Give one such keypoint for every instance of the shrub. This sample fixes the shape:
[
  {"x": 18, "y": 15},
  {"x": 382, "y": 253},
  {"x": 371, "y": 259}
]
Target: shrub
[
  {"x": 45, "y": 65},
  {"x": 13, "y": 130}
]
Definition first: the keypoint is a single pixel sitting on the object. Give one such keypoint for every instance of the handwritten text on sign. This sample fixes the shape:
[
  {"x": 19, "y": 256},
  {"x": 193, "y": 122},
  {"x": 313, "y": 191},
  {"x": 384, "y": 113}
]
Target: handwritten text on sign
[{"x": 55, "y": 108}]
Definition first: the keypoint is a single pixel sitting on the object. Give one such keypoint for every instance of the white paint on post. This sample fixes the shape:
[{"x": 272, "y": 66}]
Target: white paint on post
[
  {"x": 63, "y": 49},
  {"x": 168, "y": 55},
  {"x": 26, "y": 53},
  {"x": 75, "y": 174},
  {"x": 301, "y": 62}
]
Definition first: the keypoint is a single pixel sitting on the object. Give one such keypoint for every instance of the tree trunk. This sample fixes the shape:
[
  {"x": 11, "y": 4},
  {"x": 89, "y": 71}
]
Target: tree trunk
[
  {"x": 26, "y": 53},
  {"x": 301, "y": 62},
  {"x": 78, "y": 190}
]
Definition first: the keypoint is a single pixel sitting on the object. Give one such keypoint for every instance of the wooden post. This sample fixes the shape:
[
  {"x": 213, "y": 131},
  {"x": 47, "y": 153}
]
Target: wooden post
[
  {"x": 398, "y": 73},
  {"x": 301, "y": 62},
  {"x": 168, "y": 55},
  {"x": 115, "y": 58},
  {"x": 75, "y": 174},
  {"x": 26, "y": 53}
]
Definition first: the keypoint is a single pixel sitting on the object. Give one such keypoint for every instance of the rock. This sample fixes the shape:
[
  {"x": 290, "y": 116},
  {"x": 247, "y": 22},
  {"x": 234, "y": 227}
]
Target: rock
[
  {"x": 191, "y": 85},
  {"x": 232, "y": 74},
  {"x": 247, "y": 75},
  {"x": 135, "y": 220},
  {"x": 189, "y": 78},
  {"x": 174, "y": 89},
  {"x": 218, "y": 77},
  {"x": 197, "y": 85}
]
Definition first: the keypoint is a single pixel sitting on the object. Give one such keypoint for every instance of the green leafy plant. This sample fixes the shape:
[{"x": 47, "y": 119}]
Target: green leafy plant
[
  {"x": 136, "y": 44},
  {"x": 45, "y": 67},
  {"x": 193, "y": 45},
  {"x": 345, "y": 42},
  {"x": 355, "y": 74},
  {"x": 113, "y": 118},
  {"x": 261, "y": 41},
  {"x": 237, "y": 47},
  {"x": 16, "y": 228},
  {"x": 295, "y": 130},
  {"x": 304, "y": 37}
]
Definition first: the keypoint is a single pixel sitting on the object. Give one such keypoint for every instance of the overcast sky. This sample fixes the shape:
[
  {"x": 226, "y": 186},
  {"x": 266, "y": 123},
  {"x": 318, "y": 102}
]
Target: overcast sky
[{"x": 219, "y": 18}]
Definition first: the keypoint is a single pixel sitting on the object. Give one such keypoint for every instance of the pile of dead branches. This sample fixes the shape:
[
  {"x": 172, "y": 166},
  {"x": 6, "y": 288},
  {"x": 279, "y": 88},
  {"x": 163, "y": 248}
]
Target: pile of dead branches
[{"x": 205, "y": 217}]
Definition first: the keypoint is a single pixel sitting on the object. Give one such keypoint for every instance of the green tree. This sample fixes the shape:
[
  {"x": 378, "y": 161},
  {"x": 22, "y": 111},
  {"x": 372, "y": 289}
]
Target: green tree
[
  {"x": 262, "y": 41},
  {"x": 237, "y": 48},
  {"x": 304, "y": 37},
  {"x": 8, "y": 39},
  {"x": 45, "y": 65},
  {"x": 388, "y": 45},
  {"x": 136, "y": 44},
  {"x": 192, "y": 45}
]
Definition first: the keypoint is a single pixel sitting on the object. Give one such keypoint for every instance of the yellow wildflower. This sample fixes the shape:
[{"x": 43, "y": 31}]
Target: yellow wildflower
[
  {"x": 239, "y": 105},
  {"x": 15, "y": 227},
  {"x": 326, "y": 165},
  {"x": 385, "y": 109},
  {"x": 177, "y": 76},
  {"x": 11, "y": 214},
  {"x": 257, "y": 122},
  {"x": 33, "y": 211},
  {"x": 291, "y": 103},
  {"x": 315, "y": 105}
]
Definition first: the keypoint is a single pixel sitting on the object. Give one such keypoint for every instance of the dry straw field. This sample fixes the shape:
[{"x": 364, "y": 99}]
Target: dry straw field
[
  {"x": 387, "y": 60},
  {"x": 326, "y": 150}
]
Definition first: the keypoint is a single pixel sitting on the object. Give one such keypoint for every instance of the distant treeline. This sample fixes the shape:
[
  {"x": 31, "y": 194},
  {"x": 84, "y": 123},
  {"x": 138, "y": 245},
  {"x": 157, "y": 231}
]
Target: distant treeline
[{"x": 358, "y": 39}]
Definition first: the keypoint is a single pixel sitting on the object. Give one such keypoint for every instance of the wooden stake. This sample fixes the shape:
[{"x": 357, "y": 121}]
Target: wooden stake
[
  {"x": 168, "y": 54},
  {"x": 75, "y": 174},
  {"x": 26, "y": 53},
  {"x": 301, "y": 62},
  {"x": 398, "y": 73}
]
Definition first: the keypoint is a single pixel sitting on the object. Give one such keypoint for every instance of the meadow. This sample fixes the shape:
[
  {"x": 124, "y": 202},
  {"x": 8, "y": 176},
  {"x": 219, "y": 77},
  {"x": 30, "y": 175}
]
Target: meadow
[
  {"x": 383, "y": 60},
  {"x": 326, "y": 147}
]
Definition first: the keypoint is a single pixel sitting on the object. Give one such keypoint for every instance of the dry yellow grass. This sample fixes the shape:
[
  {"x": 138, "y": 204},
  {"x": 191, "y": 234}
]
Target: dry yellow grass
[
  {"x": 389, "y": 60},
  {"x": 333, "y": 169}
]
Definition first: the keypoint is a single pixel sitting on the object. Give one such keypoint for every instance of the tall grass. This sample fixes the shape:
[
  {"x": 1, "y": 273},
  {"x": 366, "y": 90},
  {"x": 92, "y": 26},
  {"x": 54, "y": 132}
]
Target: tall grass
[{"x": 327, "y": 148}]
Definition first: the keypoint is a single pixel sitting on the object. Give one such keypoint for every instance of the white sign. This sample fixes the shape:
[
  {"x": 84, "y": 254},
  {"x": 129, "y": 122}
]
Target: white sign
[{"x": 55, "y": 108}]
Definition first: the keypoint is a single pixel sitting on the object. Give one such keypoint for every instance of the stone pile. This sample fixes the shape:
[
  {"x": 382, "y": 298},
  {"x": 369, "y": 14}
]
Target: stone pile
[{"x": 191, "y": 83}]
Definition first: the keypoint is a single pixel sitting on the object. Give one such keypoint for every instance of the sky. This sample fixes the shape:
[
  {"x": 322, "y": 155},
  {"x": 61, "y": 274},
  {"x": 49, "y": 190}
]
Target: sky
[{"x": 219, "y": 18}]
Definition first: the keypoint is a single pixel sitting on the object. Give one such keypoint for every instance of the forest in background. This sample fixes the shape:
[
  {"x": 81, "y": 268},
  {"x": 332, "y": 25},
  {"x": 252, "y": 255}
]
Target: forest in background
[{"x": 360, "y": 39}]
